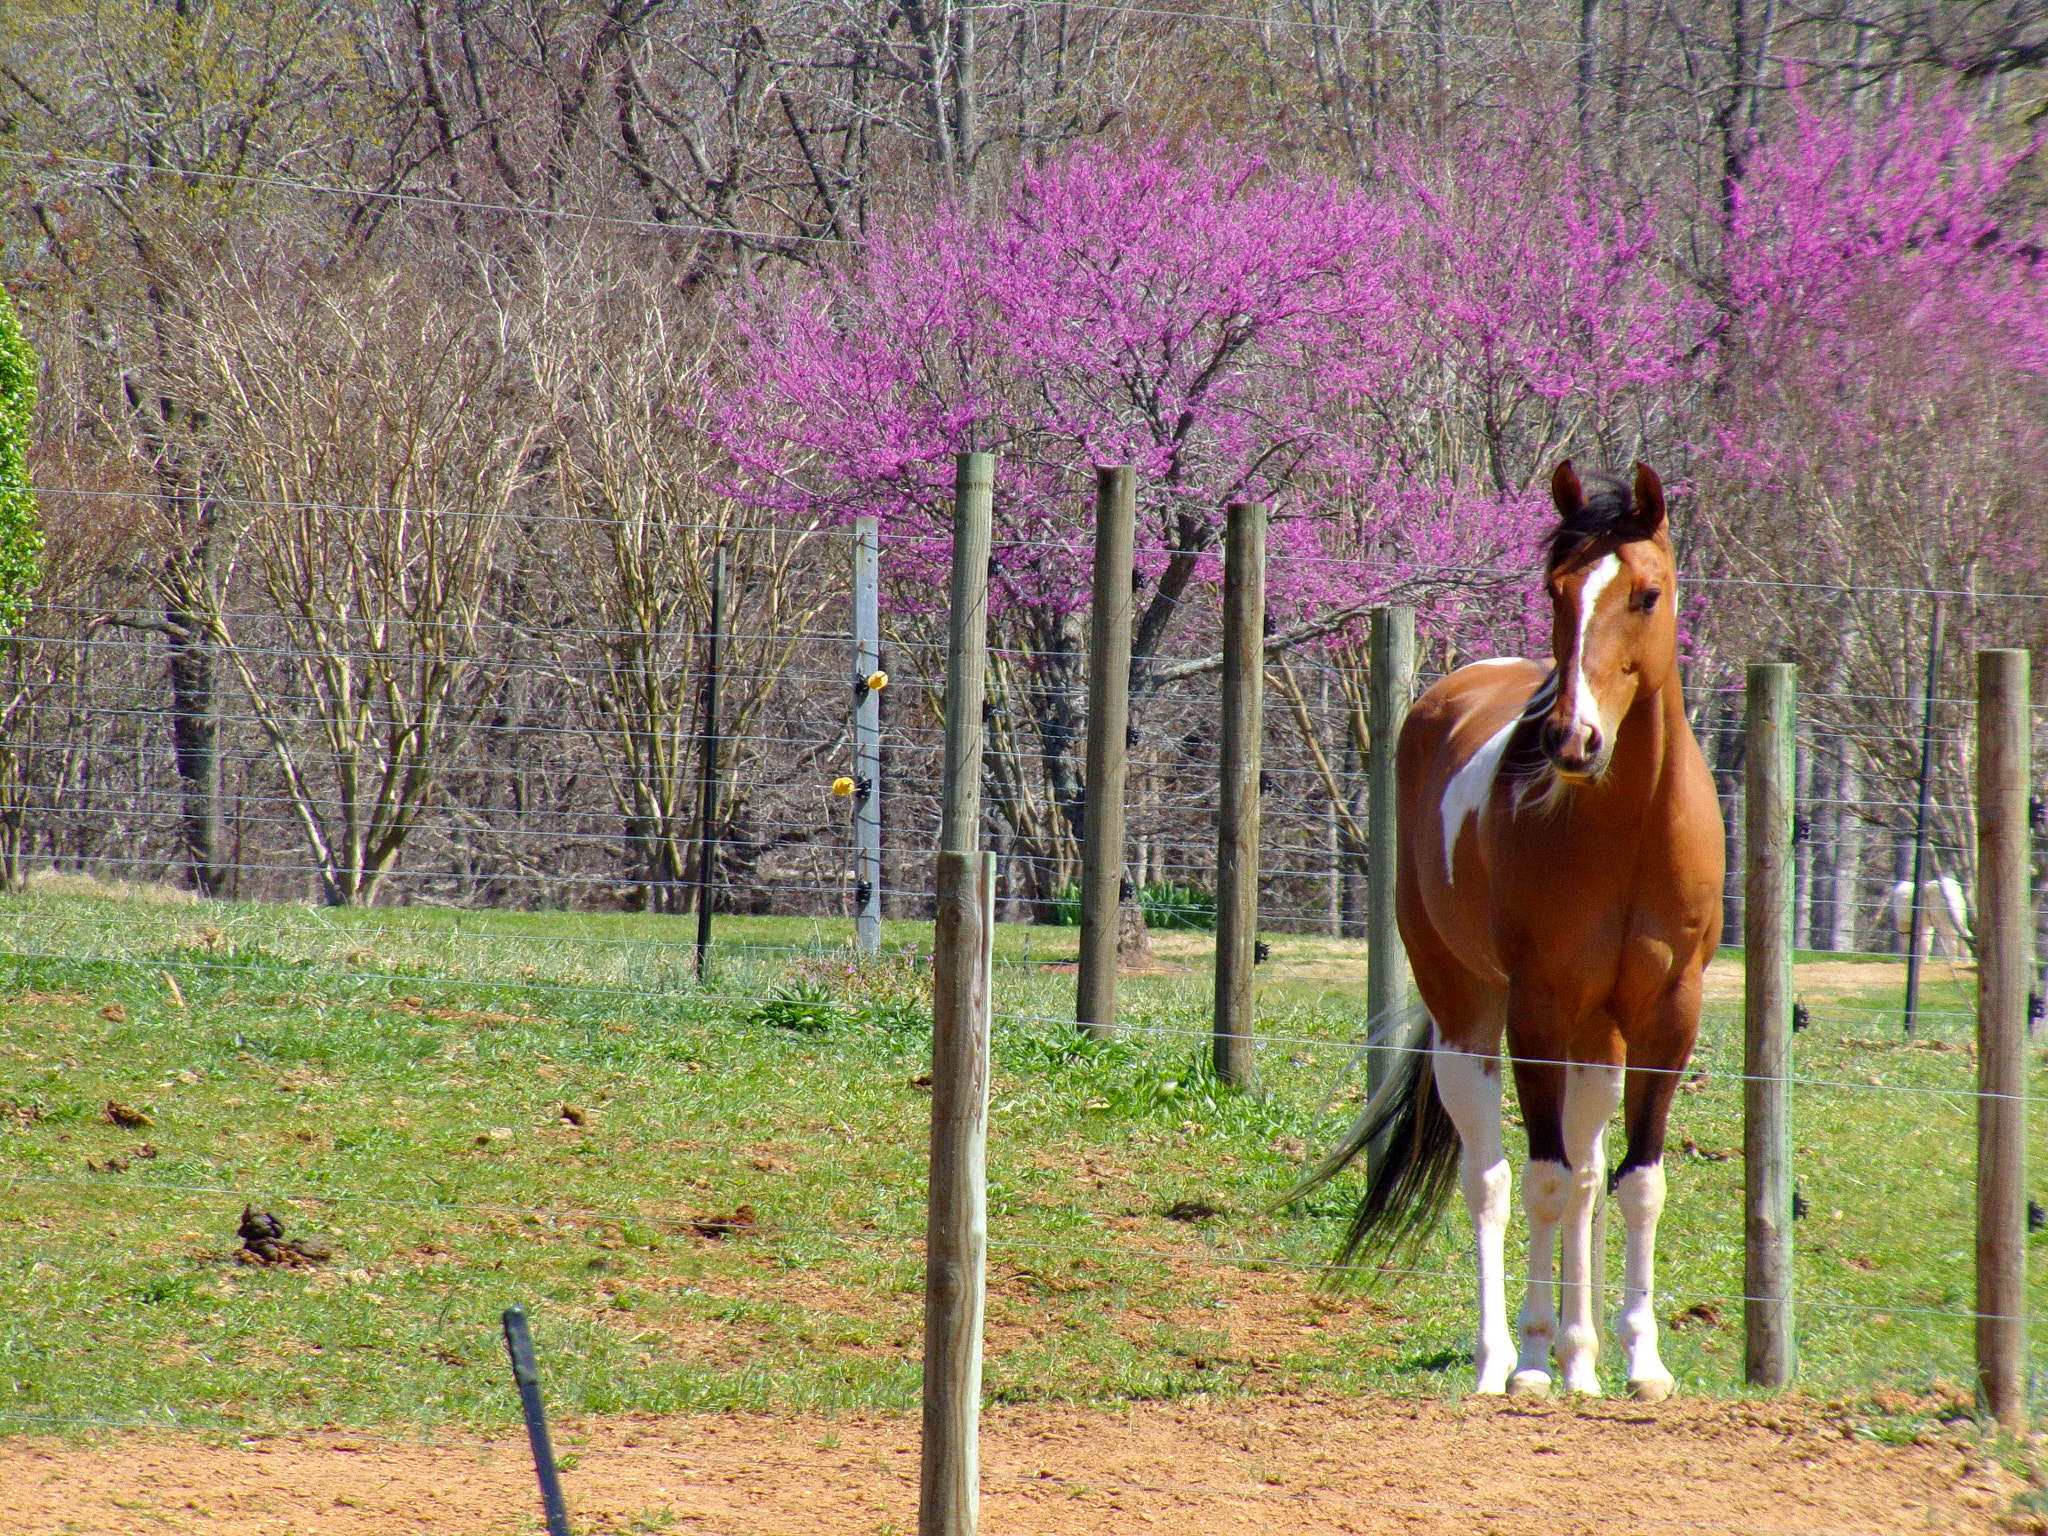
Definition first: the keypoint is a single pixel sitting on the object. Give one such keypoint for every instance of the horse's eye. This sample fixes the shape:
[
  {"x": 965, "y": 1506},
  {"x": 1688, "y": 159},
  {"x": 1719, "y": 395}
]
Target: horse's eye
[{"x": 1646, "y": 601}]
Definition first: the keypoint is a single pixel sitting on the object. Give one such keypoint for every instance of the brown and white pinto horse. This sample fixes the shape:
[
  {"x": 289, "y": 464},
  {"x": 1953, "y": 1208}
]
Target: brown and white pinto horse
[{"x": 1559, "y": 885}]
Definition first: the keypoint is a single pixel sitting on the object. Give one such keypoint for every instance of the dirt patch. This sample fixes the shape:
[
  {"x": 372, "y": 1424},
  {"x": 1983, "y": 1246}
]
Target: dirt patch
[
  {"x": 1819, "y": 981},
  {"x": 1296, "y": 1465}
]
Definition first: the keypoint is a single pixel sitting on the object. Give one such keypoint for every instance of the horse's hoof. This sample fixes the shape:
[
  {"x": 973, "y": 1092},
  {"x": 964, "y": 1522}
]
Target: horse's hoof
[
  {"x": 1529, "y": 1384},
  {"x": 1651, "y": 1389},
  {"x": 1585, "y": 1386}
]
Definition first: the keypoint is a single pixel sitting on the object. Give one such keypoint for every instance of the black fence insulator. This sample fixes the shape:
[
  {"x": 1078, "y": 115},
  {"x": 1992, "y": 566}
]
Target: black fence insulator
[
  {"x": 2037, "y": 1009},
  {"x": 1261, "y": 952},
  {"x": 1265, "y": 782},
  {"x": 862, "y": 890},
  {"x": 1801, "y": 1017},
  {"x": 1123, "y": 889},
  {"x": 863, "y": 787},
  {"x": 2037, "y": 1218},
  {"x": 1802, "y": 829},
  {"x": 1799, "y": 1206},
  {"x": 2037, "y": 813}
]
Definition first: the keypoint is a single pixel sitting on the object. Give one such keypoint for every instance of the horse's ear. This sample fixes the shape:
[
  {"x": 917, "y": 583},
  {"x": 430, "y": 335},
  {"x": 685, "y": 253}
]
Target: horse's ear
[
  {"x": 1566, "y": 491},
  {"x": 1649, "y": 499}
]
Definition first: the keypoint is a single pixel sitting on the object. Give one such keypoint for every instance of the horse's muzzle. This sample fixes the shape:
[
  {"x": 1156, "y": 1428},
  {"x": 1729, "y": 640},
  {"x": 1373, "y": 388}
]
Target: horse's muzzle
[{"x": 1576, "y": 748}]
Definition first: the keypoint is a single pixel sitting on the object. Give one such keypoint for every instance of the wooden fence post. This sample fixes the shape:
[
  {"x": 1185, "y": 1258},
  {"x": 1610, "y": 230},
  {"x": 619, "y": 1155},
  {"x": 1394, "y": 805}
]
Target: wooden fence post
[
  {"x": 1237, "y": 816},
  {"x": 2004, "y": 962},
  {"x": 867, "y": 736},
  {"x": 963, "y": 947},
  {"x": 1109, "y": 723},
  {"x": 1771, "y": 1349},
  {"x": 1392, "y": 681},
  {"x": 707, "y": 797},
  {"x": 966, "y": 653},
  {"x": 956, "y": 1217}
]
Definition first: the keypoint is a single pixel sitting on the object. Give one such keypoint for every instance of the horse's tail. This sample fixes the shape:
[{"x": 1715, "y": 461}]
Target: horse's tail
[{"x": 1415, "y": 1161}]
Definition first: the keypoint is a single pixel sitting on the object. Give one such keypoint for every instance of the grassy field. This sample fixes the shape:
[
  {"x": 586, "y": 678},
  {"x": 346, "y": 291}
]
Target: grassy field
[{"x": 394, "y": 1083}]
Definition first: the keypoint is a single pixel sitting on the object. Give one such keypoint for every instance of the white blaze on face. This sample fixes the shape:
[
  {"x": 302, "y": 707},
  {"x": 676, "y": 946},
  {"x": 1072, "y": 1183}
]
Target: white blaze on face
[{"x": 1586, "y": 708}]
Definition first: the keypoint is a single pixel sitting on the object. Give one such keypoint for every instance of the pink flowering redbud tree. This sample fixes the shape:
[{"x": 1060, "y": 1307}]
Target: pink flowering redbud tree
[
  {"x": 1875, "y": 437},
  {"x": 1203, "y": 319},
  {"x": 1885, "y": 376},
  {"x": 1232, "y": 332},
  {"x": 1545, "y": 320}
]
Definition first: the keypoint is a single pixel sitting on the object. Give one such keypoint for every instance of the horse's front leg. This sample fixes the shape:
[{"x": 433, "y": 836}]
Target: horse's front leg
[
  {"x": 1546, "y": 1191},
  {"x": 1565, "y": 1109},
  {"x": 1591, "y": 1093},
  {"x": 1546, "y": 1185},
  {"x": 1655, "y": 1064},
  {"x": 1469, "y": 1086}
]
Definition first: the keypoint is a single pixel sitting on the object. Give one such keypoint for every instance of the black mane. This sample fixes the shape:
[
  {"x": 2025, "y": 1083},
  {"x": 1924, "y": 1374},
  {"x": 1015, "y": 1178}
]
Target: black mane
[{"x": 1609, "y": 511}]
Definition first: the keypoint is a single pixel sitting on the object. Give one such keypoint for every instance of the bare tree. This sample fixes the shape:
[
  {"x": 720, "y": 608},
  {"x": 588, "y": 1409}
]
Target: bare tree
[
  {"x": 629, "y": 378},
  {"x": 373, "y": 430}
]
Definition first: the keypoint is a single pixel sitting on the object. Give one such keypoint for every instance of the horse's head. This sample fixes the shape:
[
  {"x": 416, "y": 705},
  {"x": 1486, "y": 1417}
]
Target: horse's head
[{"x": 1613, "y": 599}]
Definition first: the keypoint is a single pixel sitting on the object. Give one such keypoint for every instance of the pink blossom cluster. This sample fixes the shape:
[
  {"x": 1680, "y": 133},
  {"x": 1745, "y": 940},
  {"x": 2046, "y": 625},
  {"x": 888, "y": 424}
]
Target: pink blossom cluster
[
  {"x": 1391, "y": 370},
  {"x": 1885, "y": 307}
]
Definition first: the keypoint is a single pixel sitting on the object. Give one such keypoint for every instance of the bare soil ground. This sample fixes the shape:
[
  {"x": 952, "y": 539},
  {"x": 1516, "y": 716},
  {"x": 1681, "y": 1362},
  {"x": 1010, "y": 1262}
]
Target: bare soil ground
[
  {"x": 1332, "y": 961},
  {"x": 1290, "y": 1464}
]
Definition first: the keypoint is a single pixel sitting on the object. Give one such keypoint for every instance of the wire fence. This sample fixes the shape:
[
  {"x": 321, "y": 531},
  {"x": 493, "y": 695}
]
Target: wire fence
[
  {"x": 551, "y": 767},
  {"x": 518, "y": 754}
]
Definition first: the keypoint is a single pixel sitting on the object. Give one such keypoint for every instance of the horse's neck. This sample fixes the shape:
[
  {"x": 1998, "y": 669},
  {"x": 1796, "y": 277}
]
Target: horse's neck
[{"x": 1652, "y": 732}]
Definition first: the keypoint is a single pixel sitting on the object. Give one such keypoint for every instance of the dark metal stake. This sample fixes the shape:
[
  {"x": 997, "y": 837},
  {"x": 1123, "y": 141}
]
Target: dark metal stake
[
  {"x": 1920, "y": 822},
  {"x": 519, "y": 1345},
  {"x": 707, "y": 816}
]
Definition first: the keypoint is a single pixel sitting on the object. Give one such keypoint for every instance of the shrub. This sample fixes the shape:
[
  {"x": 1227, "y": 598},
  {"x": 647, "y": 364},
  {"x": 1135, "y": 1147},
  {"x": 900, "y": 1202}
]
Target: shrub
[
  {"x": 803, "y": 1005},
  {"x": 1166, "y": 905}
]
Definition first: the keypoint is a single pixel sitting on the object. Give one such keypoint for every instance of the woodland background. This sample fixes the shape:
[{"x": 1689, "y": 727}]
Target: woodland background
[{"x": 404, "y": 365}]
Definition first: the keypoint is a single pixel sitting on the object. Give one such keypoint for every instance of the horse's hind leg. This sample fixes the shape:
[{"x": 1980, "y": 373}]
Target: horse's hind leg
[{"x": 1468, "y": 1083}]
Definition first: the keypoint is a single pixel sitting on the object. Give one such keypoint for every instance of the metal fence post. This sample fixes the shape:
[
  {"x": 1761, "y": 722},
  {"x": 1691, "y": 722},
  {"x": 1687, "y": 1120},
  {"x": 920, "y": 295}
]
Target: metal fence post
[
  {"x": 707, "y": 802},
  {"x": 2004, "y": 963},
  {"x": 1917, "y": 926},
  {"x": 1770, "y": 1355},
  {"x": 1237, "y": 817},
  {"x": 526, "y": 1377},
  {"x": 1109, "y": 723},
  {"x": 867, "y": 736}
]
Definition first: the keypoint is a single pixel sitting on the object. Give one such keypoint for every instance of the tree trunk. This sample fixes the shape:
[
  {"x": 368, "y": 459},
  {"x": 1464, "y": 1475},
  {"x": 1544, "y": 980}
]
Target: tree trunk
[
  {"x": 1589, "y": 50},
  {"x": 1133, "y": 938},
  {"x": 1848, "y": 870},
  {"x": 1728, "y": 780},
  {"x": 1355, "y": 855},
  {"x": 1053, "y": 695},
  {"x": 1802, "y": 841},
  {"x": 195, "y": 747}
]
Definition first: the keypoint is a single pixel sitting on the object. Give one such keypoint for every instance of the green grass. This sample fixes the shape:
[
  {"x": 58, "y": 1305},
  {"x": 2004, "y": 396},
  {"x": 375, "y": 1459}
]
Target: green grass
[{"x": 348, "y": 1071}]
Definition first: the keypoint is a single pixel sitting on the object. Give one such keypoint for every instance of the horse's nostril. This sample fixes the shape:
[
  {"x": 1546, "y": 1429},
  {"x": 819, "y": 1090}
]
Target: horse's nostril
[{"x": 1592, "y": 742}]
